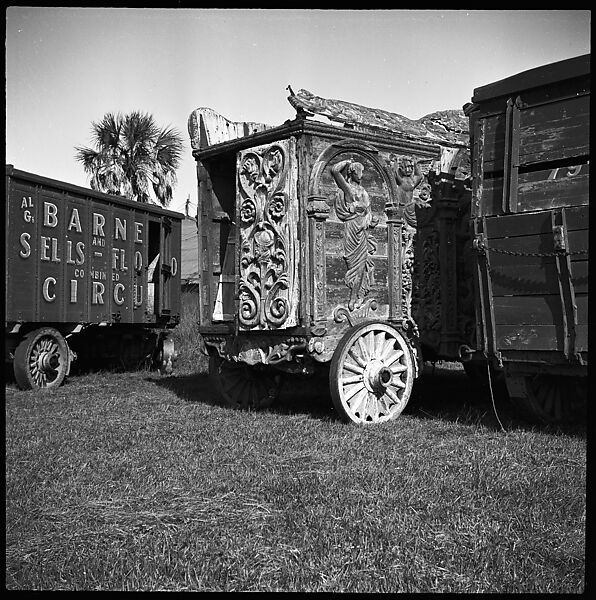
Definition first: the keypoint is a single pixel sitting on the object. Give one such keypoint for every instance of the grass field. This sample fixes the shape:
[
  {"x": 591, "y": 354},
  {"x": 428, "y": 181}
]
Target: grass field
[{"x": 133, "y": 482}]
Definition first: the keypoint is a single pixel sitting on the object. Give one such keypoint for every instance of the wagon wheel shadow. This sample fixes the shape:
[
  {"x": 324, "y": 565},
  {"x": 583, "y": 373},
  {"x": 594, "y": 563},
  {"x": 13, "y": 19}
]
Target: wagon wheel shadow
[
  {"x": 446, "y": 394},
  {"x": 302, "y": 395},
  {"x": 196, "y": 387},
  {"x": 449, "y": 394}
]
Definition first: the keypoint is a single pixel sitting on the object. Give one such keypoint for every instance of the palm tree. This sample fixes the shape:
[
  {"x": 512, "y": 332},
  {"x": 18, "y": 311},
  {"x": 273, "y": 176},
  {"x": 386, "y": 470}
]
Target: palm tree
[{"x": 132, "y": 157}]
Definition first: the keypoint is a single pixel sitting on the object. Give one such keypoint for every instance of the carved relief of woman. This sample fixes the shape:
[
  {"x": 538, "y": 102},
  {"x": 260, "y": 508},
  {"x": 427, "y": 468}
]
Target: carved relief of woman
[{"x": 352, "y": 206}]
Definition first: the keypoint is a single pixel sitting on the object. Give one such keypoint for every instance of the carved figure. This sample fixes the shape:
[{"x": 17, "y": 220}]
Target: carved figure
[
  {"x": 352, "y": 206},
  {"x": 407, "y": 176}
]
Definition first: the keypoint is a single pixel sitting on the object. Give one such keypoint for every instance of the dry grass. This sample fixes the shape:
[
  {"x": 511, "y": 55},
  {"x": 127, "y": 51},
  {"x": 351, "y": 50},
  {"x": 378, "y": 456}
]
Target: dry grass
[{"x": 132, "y": 482}]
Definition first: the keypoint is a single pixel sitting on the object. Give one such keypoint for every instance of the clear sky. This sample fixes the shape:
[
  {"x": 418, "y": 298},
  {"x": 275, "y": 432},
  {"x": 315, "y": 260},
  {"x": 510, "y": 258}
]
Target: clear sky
[{"x": 67, "y": 67}]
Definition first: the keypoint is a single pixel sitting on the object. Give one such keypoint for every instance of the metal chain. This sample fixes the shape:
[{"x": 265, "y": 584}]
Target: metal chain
[{"x": 512, "y": 253}]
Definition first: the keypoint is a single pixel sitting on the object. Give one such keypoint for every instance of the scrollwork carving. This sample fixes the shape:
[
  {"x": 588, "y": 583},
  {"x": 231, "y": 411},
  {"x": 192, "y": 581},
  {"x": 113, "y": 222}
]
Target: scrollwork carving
[{"x": 264, "y": 237}]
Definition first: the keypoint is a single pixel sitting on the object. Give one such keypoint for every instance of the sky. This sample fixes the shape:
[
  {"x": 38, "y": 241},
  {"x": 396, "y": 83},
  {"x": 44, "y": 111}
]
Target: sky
[{"x": 67, "y": 67}]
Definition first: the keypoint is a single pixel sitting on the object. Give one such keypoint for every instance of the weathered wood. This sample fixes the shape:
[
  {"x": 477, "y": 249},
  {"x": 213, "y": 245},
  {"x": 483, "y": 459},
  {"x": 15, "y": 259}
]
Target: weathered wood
[
  {"x": 554, "y": 131},
  {"x": 528, "y": 310},
  {"x": 540, "y": 190},
  {"x": 206, "y": 128},
  {"x": 532, "y": 275},
  {"x": 494, "y": 142},
  {"x": 530, "y": 147},
  {"x": 540, "y": 243},
  {"x": 541, "y": 338},
  {"x": 547, "y": 75},
  {"x": 443, "y": 126},
  {"x": 535, "y": 223}
]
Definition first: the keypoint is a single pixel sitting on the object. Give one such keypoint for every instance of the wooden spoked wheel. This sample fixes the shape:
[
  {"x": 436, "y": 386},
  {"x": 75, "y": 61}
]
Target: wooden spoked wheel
[
  {"x": 242, "y": 386},
  {"x": 553, "y": 399},
  {"x": 41, "y": 360},
  {"x": 371, "y": 374}
]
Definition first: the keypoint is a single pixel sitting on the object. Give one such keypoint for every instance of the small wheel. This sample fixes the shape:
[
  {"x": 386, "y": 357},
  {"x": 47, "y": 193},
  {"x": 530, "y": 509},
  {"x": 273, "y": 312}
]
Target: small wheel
[
  {"x": 41, "y": 360},
  {"x": 242, "y": 386},
  {"x": 165, "y": 355},
  {"x": 553, "y": 399},
  {"x": 371, "y": 374}
]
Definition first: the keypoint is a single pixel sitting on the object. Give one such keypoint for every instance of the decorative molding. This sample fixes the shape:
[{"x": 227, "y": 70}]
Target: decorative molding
[
  {"x": 367, "y": 151},
  {"x": 267, "y": 350},
  {"x": 343, "y": 313}
]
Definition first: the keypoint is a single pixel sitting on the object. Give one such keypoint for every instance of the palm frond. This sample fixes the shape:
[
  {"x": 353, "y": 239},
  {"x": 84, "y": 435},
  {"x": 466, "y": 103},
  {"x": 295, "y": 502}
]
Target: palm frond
[{"x": 133, "y": 157}]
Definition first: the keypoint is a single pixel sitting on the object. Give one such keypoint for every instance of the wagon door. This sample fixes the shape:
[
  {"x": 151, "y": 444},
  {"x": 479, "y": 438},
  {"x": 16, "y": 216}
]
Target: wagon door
[{"x": 163, "y": 273}]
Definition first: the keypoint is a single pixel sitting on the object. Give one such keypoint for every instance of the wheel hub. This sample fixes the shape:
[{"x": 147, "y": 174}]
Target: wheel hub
[
  {"x": 48, "y": 361},
  {"x": 377, "y": 376}
]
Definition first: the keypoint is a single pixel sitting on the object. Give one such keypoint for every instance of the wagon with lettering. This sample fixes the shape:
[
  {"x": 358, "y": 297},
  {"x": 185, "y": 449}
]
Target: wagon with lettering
[
  {"x": 306, "y": 247},
  {"x": 530, "y": 147},
  {"x": 88, "y": 275}
]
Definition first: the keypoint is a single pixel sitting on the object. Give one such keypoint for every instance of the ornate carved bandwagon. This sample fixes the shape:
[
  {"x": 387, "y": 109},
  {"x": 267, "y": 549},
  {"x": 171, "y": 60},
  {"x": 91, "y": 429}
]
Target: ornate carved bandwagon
[
  {"x": 266, "y": 189},
  {"x": 352, "y": 207}
]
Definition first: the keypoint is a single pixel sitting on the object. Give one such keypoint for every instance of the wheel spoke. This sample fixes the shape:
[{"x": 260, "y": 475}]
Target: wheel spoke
[
  {"x": 392, "y": 394},
  {"x": 367, "y": 408},
  {"x": 393, "y": 359},
  {"x": 370, "y": 344},
  {"x": 379, "y": 343},
  {"x": 357, "y": 358},
  {"x": 399, "y": 368},
  {"x": 239, "y": 392},
  {"x": 262, "y": 390},
  {"x": 363, "y": 350},
  {"x": 231, "y": 383},
  {"x": 548, "y": 395},
  {"x": 356, "y": 405},
  {"x": 398, "y": 382},
  {"x": 351, "y": 390},
  {"x": 353, "y": 368},
  {"x": 383, "y": 404},
  {"x": 352, "y": 379},
  {"x": 559, "y": 398},
  {"x": 387, "y": 350}
]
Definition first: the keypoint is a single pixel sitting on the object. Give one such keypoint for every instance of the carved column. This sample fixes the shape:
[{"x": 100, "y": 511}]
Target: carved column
[
  {"x": 395, "y": 226},
  {"x": 317, "y": 210}
]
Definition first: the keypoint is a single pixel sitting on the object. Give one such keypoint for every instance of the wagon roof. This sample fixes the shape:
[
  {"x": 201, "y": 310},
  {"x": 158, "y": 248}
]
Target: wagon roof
[
  {"x": 211, "y": 134},
  {"x": 449, "y": 126},
  {"x": 537, "y": 77},
  {"x": 63, "y": 186}
]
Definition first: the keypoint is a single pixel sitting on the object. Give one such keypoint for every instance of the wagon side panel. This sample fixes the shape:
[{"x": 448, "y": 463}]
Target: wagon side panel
[
  {"x": 531, "y": 196},
  {"x": 22, "y": 251}
]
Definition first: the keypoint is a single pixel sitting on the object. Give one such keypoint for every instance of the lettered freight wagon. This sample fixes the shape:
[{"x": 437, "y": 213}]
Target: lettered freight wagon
[{"x": 87, "y": 274}]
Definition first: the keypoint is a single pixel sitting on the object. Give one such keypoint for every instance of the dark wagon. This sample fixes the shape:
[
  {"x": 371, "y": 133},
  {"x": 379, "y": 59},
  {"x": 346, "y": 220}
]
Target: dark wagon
[
  {"x": 307, "y": 237},
  {"x": 530, "y": 148},
  {"x": 88, "y": 275}
]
